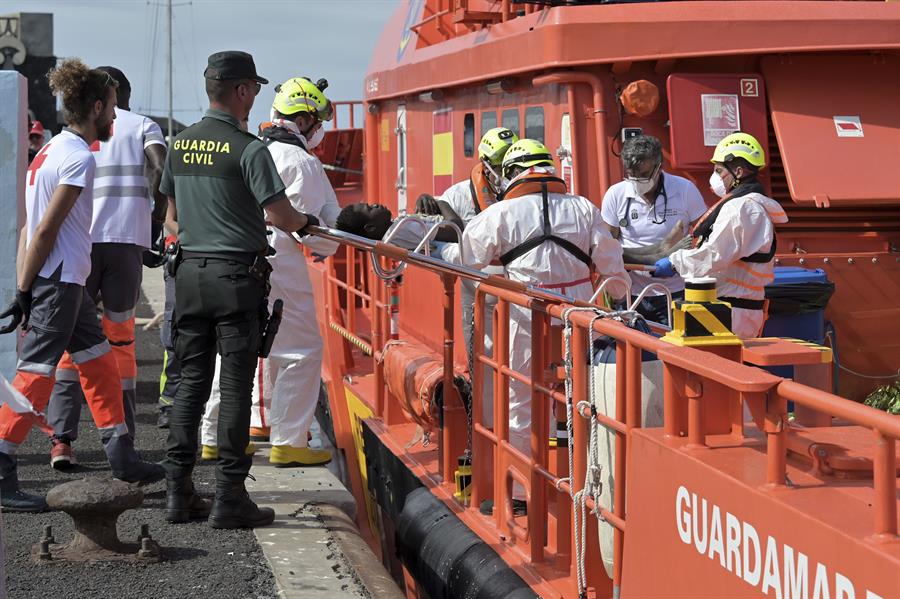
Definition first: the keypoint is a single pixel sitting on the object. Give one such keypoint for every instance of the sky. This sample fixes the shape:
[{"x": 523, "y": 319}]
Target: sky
[{"x": 333, "y": 39}]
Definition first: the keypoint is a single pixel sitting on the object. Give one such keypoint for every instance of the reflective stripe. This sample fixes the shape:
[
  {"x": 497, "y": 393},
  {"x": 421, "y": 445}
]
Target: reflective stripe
[
  {"x": 91, "y": 353},
  {"x": 119, "y": 317},
  {"x": 36, "y": 368},
  {"x": 8, "y": 447},
  {"x": 760, "y": 288},
  {"x": 67, "y": 374},
  {"x": 128, "y": 384},
  {"x": 136, "y": 170},
  {"x": 768, "y": 276},
  {"x": 121, "y": 191},
  {"x": 118, "y": 430}
]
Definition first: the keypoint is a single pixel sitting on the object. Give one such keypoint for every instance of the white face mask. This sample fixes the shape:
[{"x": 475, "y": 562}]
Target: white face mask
[
  {"x": 316, "y": 138},
  {"x": 642, "y": 187},
  {"x": 717, "y": 184}
]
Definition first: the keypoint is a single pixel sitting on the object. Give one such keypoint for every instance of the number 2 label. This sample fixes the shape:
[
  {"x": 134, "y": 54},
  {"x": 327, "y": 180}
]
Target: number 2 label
[{"x": 749, "y": 88}]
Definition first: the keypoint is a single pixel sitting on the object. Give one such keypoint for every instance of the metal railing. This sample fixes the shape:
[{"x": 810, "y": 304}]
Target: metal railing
[{"x": 699, "y": 379}]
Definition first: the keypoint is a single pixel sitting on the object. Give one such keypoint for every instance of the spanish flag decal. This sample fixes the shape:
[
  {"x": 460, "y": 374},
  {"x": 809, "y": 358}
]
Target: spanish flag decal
[{"x": 442, "y": 150}]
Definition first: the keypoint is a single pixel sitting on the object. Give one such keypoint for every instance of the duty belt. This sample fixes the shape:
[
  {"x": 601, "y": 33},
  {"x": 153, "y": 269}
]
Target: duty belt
[
  {"x": 245, "y": 258},
  {"x": 743, "y": 303}
]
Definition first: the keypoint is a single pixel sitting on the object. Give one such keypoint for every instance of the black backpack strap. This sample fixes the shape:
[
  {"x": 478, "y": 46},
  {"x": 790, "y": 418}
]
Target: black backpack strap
[
  {"x": 547, "y": 235},
  {"x": 763, "y": 257},
  {"x": 473, "y": 197}
]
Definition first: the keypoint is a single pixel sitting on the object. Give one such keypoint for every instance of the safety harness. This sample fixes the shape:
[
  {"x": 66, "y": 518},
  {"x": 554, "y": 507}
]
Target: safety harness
[
  {"x": 545, "y": 185},
  {"x": 704, "y": 227},
  {"x": 280, "y": 134}
]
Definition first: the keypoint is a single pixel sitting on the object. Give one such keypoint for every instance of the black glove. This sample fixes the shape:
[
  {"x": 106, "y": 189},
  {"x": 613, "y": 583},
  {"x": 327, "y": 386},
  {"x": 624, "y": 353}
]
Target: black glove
[
  {"x": 426, "y": 204},
  {"x": 20, "y": 311},
  {"x": 310, "y": 221}
]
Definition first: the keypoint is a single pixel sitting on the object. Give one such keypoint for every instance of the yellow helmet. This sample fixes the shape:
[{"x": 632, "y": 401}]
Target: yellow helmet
[
  {"x": 740, "y": 145},
  {"x": 494, "y": 144},
  {"x": 302, "y": 95},
  {"x": 526, "y": 153}
]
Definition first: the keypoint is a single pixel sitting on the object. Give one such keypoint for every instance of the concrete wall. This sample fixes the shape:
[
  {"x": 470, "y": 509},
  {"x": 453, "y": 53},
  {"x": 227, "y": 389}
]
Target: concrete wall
[{"x": 13, "y": 158}]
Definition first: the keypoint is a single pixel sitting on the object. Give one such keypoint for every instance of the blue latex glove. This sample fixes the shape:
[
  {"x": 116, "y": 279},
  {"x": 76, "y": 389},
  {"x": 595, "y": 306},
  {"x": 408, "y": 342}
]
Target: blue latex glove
[{"x": 664, "y": 268}]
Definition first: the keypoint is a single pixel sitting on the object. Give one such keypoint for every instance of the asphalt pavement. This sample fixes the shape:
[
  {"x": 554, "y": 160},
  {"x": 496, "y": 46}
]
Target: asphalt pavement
[{"x": 199, "y": 562}]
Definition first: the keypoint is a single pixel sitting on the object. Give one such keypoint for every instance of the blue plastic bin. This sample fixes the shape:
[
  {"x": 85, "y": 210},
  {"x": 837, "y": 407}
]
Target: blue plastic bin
[
  {"x": 797, "y": 299},
  {"x": 798, "y": 321}
]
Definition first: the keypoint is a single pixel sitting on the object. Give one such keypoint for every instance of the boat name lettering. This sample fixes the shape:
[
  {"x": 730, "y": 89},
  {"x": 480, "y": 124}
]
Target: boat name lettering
[{"x": 776, "y": 569}]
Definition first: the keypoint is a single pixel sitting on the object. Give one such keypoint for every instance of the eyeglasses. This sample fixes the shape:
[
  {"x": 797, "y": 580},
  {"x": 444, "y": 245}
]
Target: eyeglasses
[
  {"x": 257, "y": 84},
  {"x": 632, "y": 177}
]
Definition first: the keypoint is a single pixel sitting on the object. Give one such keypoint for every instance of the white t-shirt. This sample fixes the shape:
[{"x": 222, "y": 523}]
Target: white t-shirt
[
  {"x": 642, "y": 224},
  {"x": 122, "y": 202},
  {"x": 65, "y": 160}
]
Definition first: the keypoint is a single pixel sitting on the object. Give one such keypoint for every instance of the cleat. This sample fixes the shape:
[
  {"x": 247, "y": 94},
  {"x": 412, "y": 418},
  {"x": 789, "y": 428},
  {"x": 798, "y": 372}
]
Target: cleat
[
  {"x": 285, "y": 456},
  {"x": 62, "y": 456},
  {"x": 20, "y": 501},
  {"x": 260, "y": 434},
  {"x": 163, "y": 420},
  {"x": 233, "y": 508},
  {"x": 141, "y": 473}
]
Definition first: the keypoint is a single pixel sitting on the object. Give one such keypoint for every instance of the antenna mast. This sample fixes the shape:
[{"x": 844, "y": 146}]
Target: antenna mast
[{"x": 170, "y": 131}]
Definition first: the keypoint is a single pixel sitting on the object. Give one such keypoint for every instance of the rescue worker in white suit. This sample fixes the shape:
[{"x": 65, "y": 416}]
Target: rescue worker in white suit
[
  {"x": 545, "y": 237},
  {"x": 288, "y": 386},
  {"x": 466, "y": 199},
  {"x": 735, "y": 240}
]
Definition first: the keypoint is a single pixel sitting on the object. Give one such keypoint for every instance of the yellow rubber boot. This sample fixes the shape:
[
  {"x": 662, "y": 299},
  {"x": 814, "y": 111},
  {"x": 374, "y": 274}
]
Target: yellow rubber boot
[
  {"x": 285, "y": 456},
  {"x": 211, "y": 452}
]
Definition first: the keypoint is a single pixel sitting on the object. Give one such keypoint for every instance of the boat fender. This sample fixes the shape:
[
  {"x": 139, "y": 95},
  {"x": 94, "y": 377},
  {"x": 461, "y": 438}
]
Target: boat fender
[
  {"x": 447, "y": 559},
  {"x": 603, "y": 361}
]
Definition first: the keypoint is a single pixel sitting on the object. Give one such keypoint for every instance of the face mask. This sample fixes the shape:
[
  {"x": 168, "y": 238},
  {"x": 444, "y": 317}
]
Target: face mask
[
  {"x": 316, "y": 138},
  {"x": 717, "y": 184},
  {"x": 642, "y": 186},
  {"x": 504, "y": 183}
]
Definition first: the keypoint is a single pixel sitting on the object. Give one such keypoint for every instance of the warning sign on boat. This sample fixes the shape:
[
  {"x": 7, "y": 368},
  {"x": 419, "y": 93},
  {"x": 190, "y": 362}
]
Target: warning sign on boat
[
  {"x": 721, "y": 117},
  {"x": 848, "y": 126}
]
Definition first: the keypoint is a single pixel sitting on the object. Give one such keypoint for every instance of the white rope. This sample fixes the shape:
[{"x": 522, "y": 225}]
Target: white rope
[{"x": 593, "y": 483}]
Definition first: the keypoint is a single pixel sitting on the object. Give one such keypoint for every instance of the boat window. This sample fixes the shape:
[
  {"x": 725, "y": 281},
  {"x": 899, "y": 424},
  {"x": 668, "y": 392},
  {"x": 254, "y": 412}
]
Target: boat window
[
  {"x": 510, "y": 120},
  {"x": 469, "y": 135},
  {"x": 534, "y": 123},
  {"x": 488, "y": 121}
]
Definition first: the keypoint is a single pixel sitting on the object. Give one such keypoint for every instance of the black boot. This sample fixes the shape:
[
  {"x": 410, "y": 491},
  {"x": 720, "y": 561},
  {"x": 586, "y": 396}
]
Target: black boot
[
  {"x": 13, "y": 499},
  {"x": 183, "y": 503},
  {"x": 163, "y": 420},
  {"x": 233, "y": 508},
  {"x": 126, "y": 464}
]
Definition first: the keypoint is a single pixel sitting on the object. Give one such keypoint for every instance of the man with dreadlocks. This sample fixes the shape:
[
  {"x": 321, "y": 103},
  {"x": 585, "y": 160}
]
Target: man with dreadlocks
[{"x": 52, "y": 305}]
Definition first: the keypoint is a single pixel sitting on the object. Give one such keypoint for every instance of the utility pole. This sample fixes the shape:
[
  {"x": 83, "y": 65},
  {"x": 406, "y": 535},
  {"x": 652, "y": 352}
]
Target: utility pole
[{"x": 171, "y": 120}]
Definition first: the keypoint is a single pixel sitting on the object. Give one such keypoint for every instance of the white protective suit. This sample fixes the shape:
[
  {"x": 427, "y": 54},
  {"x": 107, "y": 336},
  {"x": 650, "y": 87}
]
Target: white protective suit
[
  {"x": 506, "y": 225},
  {"x": 459, "y": 197},
  {"x": 287, "y": 387},
  {"x": 743, "y": 227}
]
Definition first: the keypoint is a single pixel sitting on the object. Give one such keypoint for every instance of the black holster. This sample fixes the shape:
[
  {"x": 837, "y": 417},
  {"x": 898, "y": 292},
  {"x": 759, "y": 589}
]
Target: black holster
[
  {"x": 270, "y": 328},
  {"x": 173, "y": 258}
]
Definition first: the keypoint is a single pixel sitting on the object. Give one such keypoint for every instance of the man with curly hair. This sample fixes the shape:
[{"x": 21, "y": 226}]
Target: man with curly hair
[{"x": 51, "y": 303}]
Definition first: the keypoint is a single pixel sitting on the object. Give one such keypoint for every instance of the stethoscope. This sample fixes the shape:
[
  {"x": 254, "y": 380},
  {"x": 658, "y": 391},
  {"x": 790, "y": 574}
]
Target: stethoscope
[{"x": 626, "y": 220}]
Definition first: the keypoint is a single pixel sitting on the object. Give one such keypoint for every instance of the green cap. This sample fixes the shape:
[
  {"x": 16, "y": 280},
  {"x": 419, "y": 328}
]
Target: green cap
[{"x": 232, "y": 64}]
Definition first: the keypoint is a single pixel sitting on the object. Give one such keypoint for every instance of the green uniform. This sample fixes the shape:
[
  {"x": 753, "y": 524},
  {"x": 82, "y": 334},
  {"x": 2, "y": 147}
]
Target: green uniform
[{"x": 220, "y": 177}]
